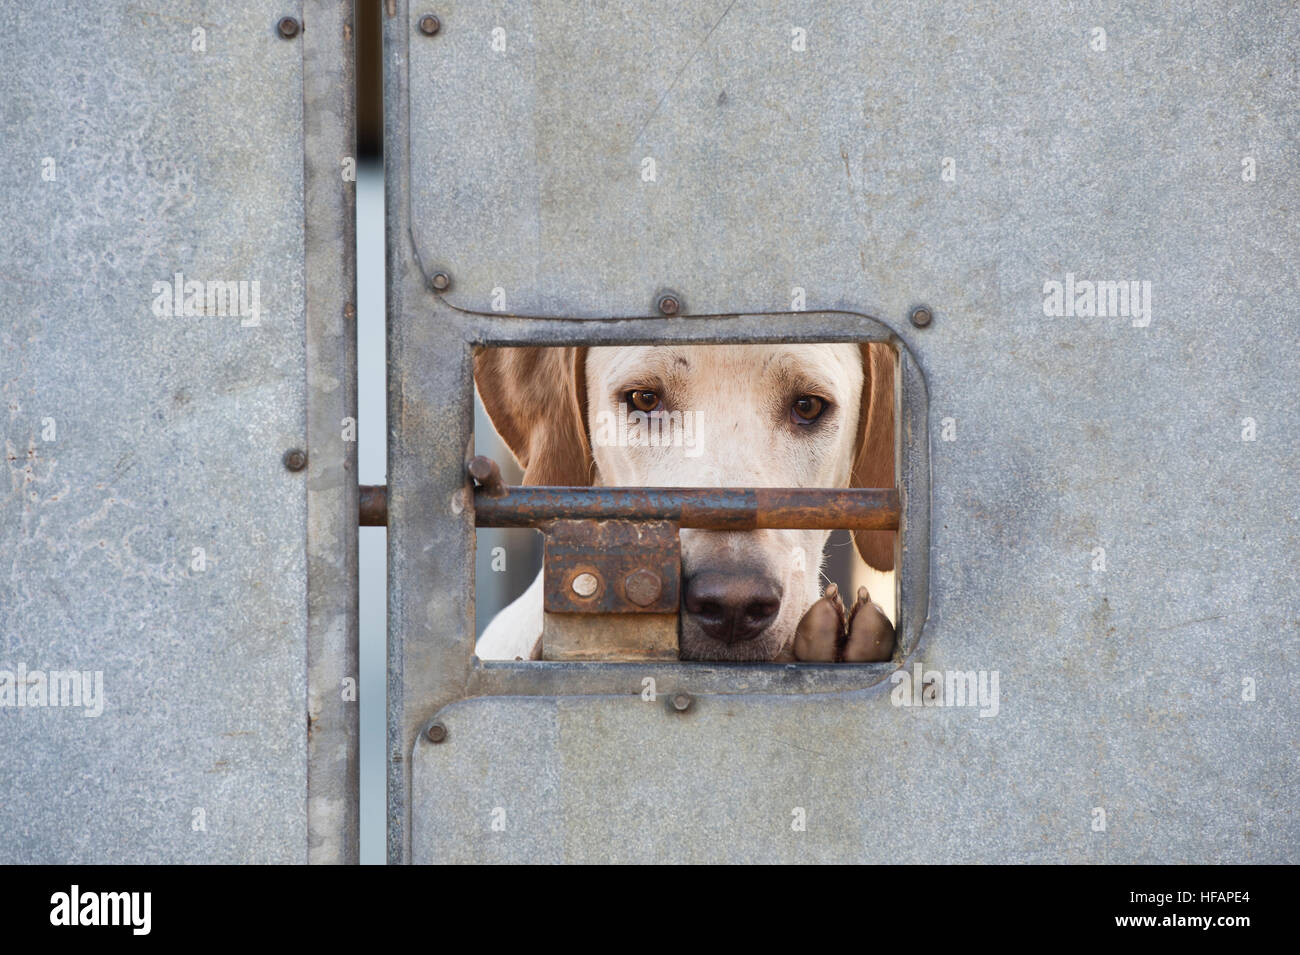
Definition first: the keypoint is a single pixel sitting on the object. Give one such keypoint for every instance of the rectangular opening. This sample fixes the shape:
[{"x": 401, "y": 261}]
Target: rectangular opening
[{"x": 713, "y": 417}]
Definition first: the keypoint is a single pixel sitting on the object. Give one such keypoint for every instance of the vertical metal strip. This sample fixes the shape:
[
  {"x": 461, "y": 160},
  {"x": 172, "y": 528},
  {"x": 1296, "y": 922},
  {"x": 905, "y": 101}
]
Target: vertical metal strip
[
  {"x": 430, "y": 513},
  {"x": 402, "y": 281},
  {"x": 329, "y": 156}
]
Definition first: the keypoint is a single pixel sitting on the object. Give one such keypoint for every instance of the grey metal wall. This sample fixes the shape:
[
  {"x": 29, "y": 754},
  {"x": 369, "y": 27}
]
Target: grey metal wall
[
  {"x": 1112, "y": 500},
  {"x": 150, "y": 529}
]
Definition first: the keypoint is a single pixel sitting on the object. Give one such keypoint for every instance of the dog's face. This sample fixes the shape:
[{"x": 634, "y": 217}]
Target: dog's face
[
  {"x": 774, "y": 415},
  {"x": 730, "y": 416}
]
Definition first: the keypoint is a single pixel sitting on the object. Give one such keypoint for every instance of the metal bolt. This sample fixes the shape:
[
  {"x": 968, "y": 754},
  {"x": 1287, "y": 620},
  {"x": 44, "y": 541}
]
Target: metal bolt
[
  {"x": 295, "y": 459},
  {"x": 584, "y": 585},
  {"x": 682, "y": 702},
  {"x": 643, "y": 587},
  {"x": 484, "y": 470},
  {"x": 429, "y": 24},
  {"x": 436, "y": 733},
  {"x": 441, "y": 281},
  {"x": 668, "y": 304},
  {"x": 288, "y": 28},
  {"x": 921, "y": 316}
]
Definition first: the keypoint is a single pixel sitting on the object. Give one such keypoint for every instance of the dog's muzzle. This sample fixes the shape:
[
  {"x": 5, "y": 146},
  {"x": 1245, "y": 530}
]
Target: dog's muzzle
[{"x": 731, "y": 607}]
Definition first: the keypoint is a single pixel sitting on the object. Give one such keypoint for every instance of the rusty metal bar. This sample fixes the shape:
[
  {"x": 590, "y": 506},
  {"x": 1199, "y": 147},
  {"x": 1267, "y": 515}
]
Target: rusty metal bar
[
  {"x": 720, "y": 509},
  {"x": 373, "y": 505}
]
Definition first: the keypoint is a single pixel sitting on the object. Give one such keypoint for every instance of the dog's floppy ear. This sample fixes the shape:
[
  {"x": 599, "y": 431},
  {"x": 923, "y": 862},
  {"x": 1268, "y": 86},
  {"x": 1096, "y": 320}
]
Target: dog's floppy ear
[
  {"x": 873, "y": 459},
  {"x": 537, "y": 400}
]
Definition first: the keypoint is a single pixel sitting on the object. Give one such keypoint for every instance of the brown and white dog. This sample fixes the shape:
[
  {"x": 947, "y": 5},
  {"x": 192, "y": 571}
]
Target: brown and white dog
[{"x": 777, "y": 415}]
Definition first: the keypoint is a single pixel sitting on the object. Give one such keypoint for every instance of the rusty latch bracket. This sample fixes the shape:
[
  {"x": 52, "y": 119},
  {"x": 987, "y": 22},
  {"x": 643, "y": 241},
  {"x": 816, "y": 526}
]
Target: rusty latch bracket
[
  {"x": 610, "y": 590},
  {"x": 611, "y": 567},
  {"x": 612, "y": 572}
]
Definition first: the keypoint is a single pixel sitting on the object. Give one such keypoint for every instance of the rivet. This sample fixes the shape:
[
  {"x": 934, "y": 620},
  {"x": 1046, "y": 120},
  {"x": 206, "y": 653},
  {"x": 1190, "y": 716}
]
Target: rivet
[
  {"x": 584, "y": 585},
  {"x": 682, "y": 702},
  {"x": 288, "y": 28},
  {"x": 441, "y": 281},
  {"x": 643, "y": 587},
  {"x": 429, "y": 24},
  {"x": 668, "y": 304},
  {"x": 921, "y": 316},
  {"x": 295, "y": 459},
  {"x": 436, "y": 733}
]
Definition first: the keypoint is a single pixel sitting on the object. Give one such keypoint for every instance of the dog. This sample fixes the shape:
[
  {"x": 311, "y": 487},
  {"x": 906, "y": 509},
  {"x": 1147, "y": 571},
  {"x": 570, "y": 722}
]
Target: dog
[{"x": 774, "y": 415}]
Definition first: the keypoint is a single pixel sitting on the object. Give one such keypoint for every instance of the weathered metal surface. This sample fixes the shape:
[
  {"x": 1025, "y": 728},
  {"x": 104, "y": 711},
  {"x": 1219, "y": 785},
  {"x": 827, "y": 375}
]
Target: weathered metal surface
[
  {"x": 733, "y": 509},
  {"x": 1112, "y": 498},
  {"x": 333, "y": 710},
  {"x": 430, "y": 514},
  {"x": 775, "y": 167},
  {"x": 141, "y": 143},
  {"x": 631, "y": 566},
  {"x": 618, "y": 638}
]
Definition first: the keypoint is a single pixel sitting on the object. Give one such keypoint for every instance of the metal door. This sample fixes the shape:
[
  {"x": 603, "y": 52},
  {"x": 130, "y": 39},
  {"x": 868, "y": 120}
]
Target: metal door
[
  {"x": 178, "y": 364},
  {"x": 1110, "y": 483}
]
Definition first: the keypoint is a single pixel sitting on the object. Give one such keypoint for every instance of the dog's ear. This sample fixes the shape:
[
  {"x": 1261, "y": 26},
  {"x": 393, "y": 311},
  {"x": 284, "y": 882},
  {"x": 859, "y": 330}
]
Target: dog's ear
[
  {"x": 873, "y": 459},
  {"x": 537, "y": 400}
]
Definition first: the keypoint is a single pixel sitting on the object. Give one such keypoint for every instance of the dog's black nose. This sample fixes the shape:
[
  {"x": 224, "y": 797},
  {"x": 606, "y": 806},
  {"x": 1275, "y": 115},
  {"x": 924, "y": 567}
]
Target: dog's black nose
[{"x": 732, "y": 607}]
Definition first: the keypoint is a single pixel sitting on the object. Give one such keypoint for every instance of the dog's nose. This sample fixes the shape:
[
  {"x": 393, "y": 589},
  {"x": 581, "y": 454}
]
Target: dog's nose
[{"x": 732, "y": 607}]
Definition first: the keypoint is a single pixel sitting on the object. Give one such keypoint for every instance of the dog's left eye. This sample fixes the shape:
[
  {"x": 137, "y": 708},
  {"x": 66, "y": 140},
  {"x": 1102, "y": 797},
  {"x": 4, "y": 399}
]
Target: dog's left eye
[
  {"x": 807, "y": 409},
  {"x": 642, "y": 399}
]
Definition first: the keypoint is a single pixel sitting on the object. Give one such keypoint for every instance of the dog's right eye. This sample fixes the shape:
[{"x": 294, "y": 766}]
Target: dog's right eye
[
  {"x": 642, "y": 399},
  {"x": 807, "y": 409}
]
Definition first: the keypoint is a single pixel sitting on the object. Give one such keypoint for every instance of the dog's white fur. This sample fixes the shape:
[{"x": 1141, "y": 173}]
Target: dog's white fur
[{"x": 741, "y": 398}]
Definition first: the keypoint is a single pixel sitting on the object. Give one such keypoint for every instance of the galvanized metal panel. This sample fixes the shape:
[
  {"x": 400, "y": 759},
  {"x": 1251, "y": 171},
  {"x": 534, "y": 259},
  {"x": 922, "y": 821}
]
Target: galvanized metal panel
[
  {"x": 621, "y": 780},
  {"x": 176, "y": 139},
  {"x": 821, "y": 168},
  {"x": 1122, "y": 687}
]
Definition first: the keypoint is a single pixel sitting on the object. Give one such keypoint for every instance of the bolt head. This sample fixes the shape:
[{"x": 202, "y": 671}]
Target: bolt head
[
  {"x": 295, "y": 459},
  {"x": 668, "y": 305},
  {"x": 681, "y": 702},
  {"x": 437, "y": 733},
  {"x": 643, "y": 587},
  {"x": 441, "y": 281},
  {"x": 921, "y": 316},
  {"x": 429, "y": 24},
  {"x": 584, "y": 585},
  {"x": 288, "y": 28}
]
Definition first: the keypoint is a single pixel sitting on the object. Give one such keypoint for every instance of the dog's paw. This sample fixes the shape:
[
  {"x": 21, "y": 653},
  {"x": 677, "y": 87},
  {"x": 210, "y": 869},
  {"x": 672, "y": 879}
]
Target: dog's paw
[
  {"x": 826, "y": 634},
  {"x": 869, "y": 637},
  {"x": 821, "y": 629}
]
